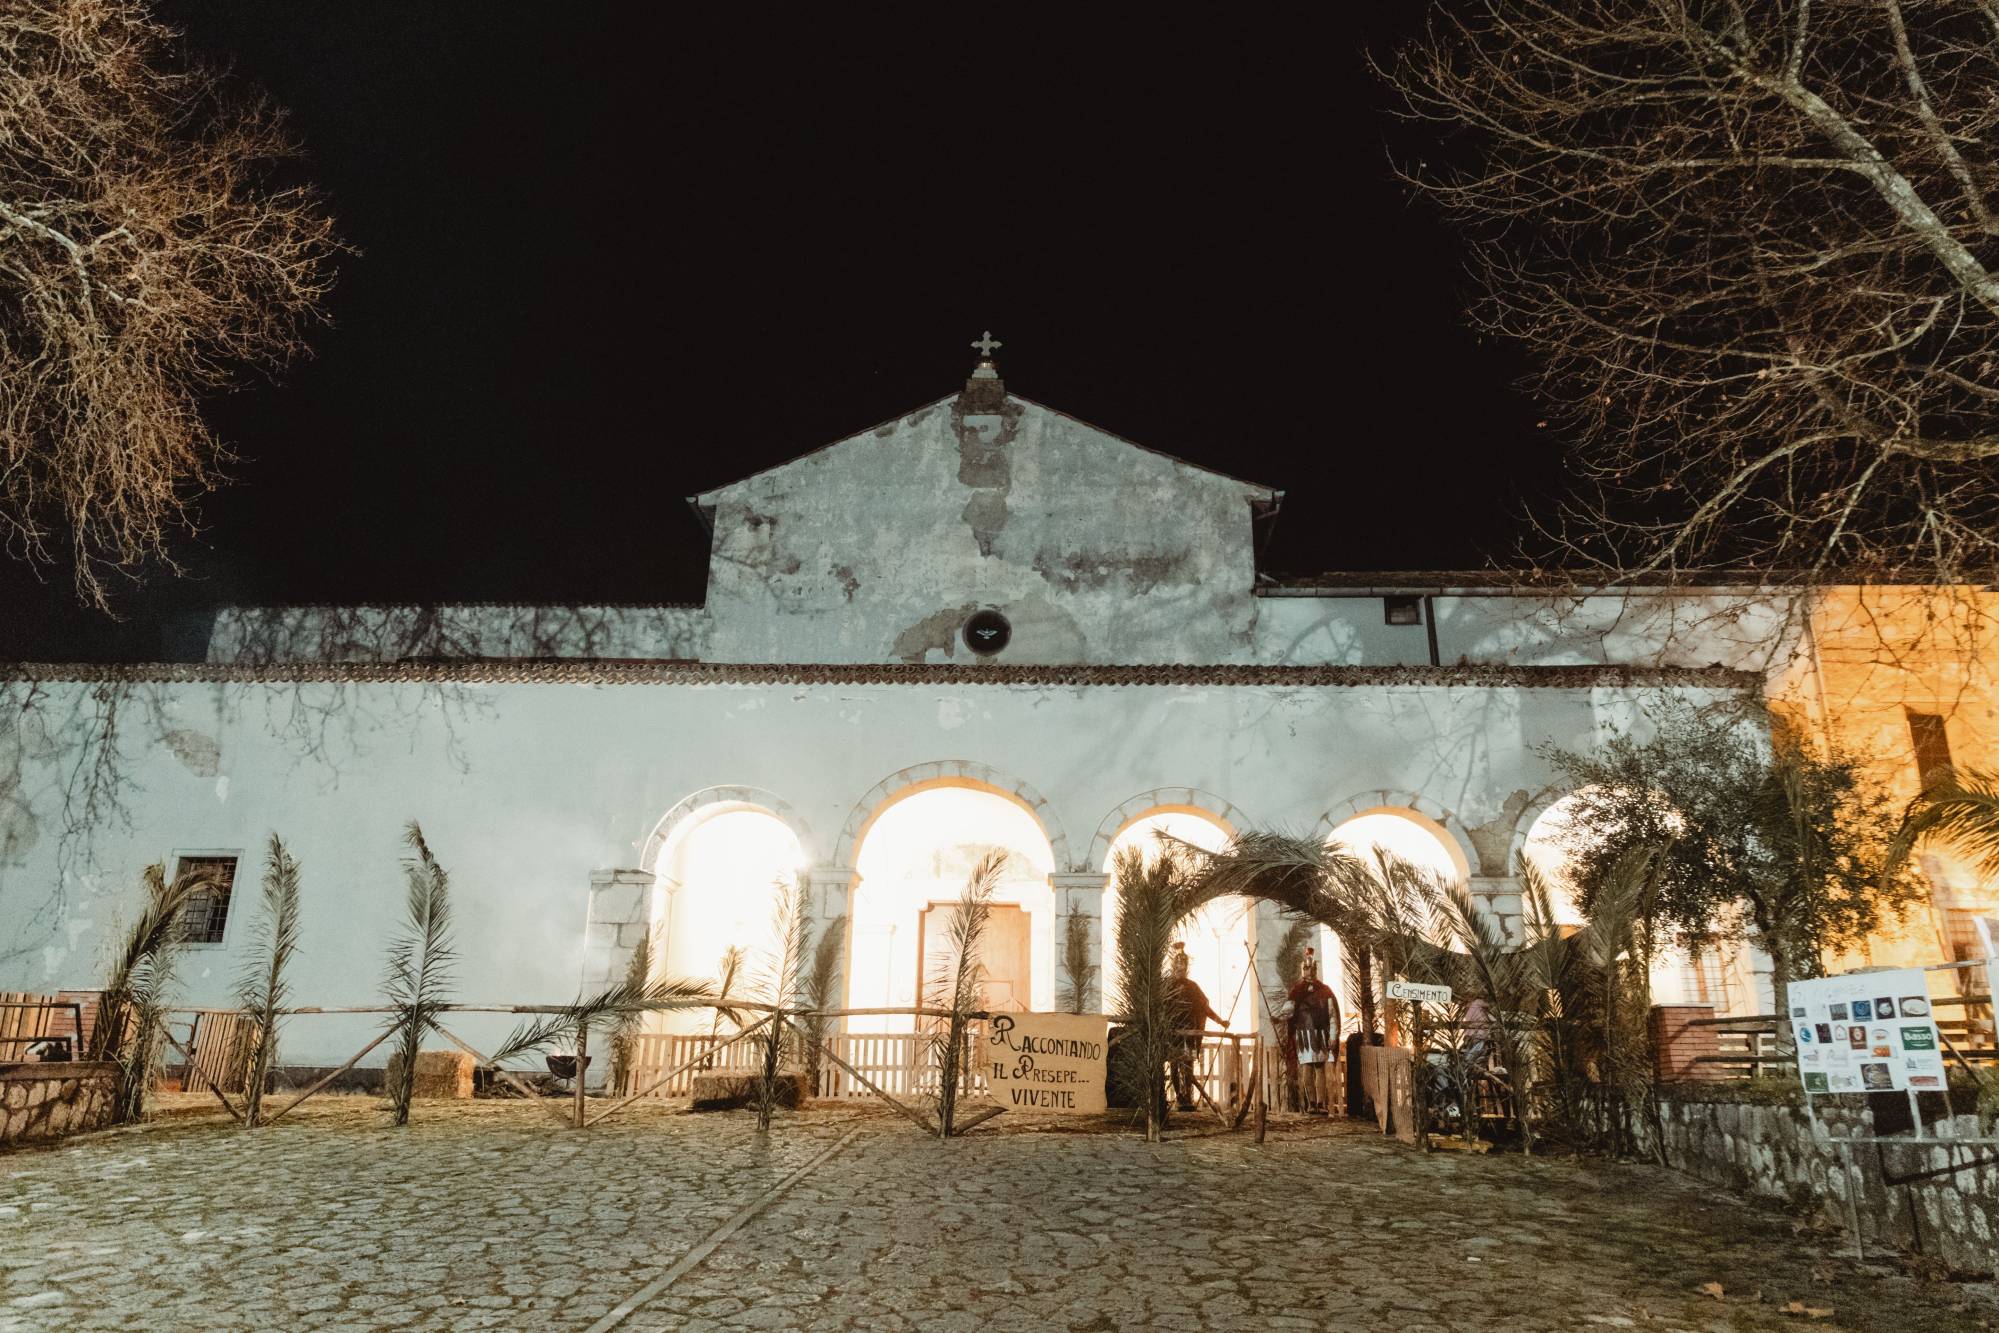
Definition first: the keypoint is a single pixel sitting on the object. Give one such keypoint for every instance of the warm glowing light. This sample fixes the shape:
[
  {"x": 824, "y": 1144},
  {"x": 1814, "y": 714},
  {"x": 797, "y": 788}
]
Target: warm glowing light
[
  {"x": 917, "y": 854},
  {"x": 1215, "y": 936},
  {"x": 720, "y": 879},
  {"x": 1550, "y": 847},
  {"x": 1406, "y": 835}
]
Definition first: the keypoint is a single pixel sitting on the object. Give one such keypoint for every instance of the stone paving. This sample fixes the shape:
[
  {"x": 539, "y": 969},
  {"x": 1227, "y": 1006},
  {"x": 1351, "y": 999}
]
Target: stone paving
[{"x": 489, "y": 1215}]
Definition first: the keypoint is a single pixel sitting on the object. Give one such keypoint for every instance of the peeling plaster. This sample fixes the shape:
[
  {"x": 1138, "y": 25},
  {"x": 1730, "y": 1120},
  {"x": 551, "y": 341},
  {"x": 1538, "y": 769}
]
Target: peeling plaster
[
  {"x": 200, "y": 754},
  {"x": 937, "y": 632}
]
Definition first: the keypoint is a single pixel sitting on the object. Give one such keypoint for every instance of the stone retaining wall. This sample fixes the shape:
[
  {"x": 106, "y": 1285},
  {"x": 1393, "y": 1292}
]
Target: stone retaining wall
[
  {"x": 1923, "y": 1196},
  {"x": 50, "y": 1100}
]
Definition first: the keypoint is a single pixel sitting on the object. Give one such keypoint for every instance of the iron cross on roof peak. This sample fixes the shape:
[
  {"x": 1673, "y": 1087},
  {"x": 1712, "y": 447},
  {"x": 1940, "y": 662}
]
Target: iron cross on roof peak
[{"x": 987, "y": 345}]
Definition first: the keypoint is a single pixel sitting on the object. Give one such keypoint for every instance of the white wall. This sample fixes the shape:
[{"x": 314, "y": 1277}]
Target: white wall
[{"x": 524, "y": 789}]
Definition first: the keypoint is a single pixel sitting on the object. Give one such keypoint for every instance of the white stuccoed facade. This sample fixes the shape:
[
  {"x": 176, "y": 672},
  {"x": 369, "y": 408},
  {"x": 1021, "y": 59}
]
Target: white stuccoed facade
[{"x": 552, "y": 755}]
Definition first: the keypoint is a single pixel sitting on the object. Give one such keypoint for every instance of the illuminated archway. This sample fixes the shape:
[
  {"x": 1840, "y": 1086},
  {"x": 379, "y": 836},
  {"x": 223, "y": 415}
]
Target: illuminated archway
[
  {"x": 1550, "y": 848},
  {"x": 1216, "y": 935},
  {"x": 912, "y": 861},
  {"x": 720, "y": 873}
]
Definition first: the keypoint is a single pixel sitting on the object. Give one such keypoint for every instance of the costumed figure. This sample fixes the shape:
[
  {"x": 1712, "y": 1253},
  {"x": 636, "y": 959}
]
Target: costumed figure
[
  {"x": 1190, "y": 1012},
  {"x": 1315, "y": 1016}
]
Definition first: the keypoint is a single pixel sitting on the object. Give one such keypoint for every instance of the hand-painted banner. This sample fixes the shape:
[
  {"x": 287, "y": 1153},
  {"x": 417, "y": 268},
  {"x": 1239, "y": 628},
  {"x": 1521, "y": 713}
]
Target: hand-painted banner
[{"x": 1046, "y": 1062}]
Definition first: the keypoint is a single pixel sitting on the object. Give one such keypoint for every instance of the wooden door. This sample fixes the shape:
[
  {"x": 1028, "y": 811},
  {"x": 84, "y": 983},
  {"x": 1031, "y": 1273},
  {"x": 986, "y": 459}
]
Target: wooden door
[{"x": 1004, "y": 951}]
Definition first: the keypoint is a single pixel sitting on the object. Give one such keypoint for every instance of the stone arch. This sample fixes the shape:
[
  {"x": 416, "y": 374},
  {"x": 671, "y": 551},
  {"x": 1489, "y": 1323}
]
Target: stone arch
[
  {"x": 1448, "y": 829},
  {"x": 1189, "y": 800},
  {"x": 1544, "y": 800},
  {"x": 947, "y": 773},
  {"x": 705, "y": 802}
]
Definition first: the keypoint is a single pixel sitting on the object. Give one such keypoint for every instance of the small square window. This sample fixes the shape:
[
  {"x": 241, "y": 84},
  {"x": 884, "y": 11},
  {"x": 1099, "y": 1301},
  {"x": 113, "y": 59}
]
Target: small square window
[
  {"x": 206, "y": 914},
  {"x": 1402, "y": 610}
]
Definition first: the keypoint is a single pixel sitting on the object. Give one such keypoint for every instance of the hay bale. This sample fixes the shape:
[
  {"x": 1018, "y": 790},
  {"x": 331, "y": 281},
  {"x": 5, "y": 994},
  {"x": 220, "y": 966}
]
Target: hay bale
[
  {"x": 729, "y": 1090},
  {"x": 445, "y": 1075}
]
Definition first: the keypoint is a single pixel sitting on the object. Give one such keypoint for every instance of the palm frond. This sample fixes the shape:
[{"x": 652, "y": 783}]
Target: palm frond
[
  {"x": 262, "y": 990},
  {"x": 625, "y": 1029},
  {"x": 131, "y": 1016},
  {"x": 603, "y": 1010},
  {"x": 957, "y": 978},
  {"x": 1079, "y": 968},
  {"x": 418, "y": 980},
  {"x": 782, "y": 979},
  {"x": 1152, "y": 894},
  {"x": 1959, "y": 808},
  {"x": 819, "y": 994}
]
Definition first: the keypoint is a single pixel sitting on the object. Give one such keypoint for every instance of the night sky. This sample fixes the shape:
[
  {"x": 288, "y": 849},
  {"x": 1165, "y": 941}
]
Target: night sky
[{"x": 610, "y": 259}]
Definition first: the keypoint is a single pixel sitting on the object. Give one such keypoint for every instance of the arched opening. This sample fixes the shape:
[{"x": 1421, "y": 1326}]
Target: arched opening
[
  {"x": 720, "y": 875},
  {"x": 1409, "y": 834},
  {"x": 1398, "y": 831},
  {"x": 1216, "y": 936},
  {"x": 1550, "y": 848},
  {"x": 914, "y": 858}
]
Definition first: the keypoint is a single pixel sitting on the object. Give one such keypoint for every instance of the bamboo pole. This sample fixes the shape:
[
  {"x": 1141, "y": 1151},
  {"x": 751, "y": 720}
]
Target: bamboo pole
[
  {"x": 356, "y": 1059},
  {"x": 679, "y": 1069},
  {"x": 192, "y": 1069},
  {"x": 512, "y": 1082},
  {"x": 869, "y": 1084}
]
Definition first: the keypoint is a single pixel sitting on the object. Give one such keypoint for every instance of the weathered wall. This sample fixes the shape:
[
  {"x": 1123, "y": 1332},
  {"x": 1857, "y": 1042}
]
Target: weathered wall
[
  {"x": 257, "y": 635},
  {"x": 877, "y": 548},
  {"x": 525, "y": 789},
  {"x": 1773, "y": 1152}
]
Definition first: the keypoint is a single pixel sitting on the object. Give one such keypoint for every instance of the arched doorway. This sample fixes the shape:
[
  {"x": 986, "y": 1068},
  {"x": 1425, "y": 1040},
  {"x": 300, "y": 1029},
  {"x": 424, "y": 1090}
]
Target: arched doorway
[
  {"x": 1216, "y": 936},
  {"x": 721, "y": 873},
  {"x": 1398, "y": 831},
  {"x": 914, "y": 858}
]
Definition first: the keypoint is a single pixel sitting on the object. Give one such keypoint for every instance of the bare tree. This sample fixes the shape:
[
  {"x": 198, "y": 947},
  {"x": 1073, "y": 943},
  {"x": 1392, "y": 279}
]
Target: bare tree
[
  {"x": 146, "y": 258},
  {"x": 1753, "y": 251}
]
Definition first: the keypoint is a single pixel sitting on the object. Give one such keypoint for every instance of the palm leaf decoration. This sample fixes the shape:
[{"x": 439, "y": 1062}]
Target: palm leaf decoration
[
  {"x": 782, "y": 980},
  {"x": 1152, "y": 894},
  {"x": 727, "y": 970},
  {"x": 819, "y": 993},
  {"x": 420, "y": 964},
  {"x": 1079, "y": 969},
  {"x": 131, "y": 1016},
  {"x": 604, "y": 1010},
  {"x": 1957, "y": 807},
  {"x": 957, "y": 978},
  {"x": 262, "y": 991},
  {"x": 625, "y": 1029}
]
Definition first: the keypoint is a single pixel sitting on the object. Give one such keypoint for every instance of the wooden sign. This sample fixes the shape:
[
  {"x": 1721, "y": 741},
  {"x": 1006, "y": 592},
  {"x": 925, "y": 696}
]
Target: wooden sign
[
  {"x": 1416, "y": 990},
  {"x": 1046, "y": 1062}
]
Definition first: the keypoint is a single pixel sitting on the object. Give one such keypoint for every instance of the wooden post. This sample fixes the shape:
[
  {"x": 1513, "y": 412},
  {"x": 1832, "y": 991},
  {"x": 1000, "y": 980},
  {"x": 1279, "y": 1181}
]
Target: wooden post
[
  {"x": 582, "y": 1053},
  {"x": 505, "y": 1074},
  {"x": 1262, "y": 1111},
  {"x": 354, "y": 1060}
]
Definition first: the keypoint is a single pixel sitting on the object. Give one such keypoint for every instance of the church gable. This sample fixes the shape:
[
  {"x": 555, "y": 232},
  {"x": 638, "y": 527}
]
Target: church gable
[{"x": 883, "y": 546}]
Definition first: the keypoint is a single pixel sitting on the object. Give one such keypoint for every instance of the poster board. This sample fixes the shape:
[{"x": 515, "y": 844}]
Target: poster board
[
  {"x": 1866, "y": 1032},
  {"x": 1047, "y": 1062}
]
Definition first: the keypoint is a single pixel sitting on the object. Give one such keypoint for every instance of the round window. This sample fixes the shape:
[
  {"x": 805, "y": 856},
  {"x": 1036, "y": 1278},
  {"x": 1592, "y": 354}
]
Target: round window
[{"x": 987, "y": 632}]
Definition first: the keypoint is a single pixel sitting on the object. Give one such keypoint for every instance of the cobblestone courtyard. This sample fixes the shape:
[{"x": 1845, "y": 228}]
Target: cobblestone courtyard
[{"x": 489, "y": 1215}]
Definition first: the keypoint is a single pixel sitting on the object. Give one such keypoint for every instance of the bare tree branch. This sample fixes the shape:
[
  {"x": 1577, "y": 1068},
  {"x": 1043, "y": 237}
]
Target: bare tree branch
[{"x": 146, "y": 258}]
